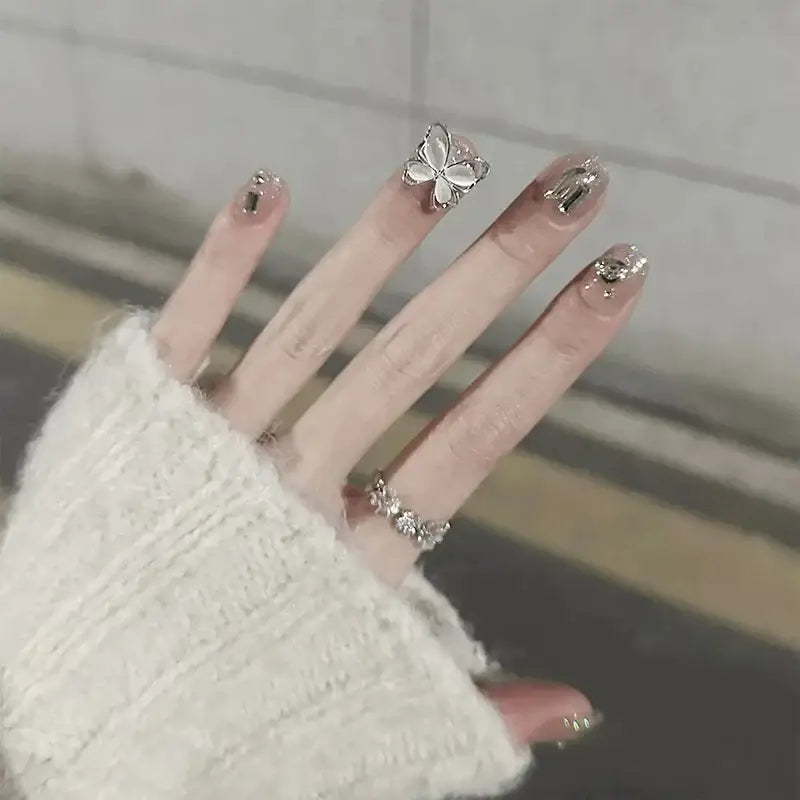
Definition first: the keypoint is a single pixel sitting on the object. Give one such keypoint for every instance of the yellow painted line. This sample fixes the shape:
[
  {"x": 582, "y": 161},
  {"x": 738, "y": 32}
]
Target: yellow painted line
[
  {"x": 47, "y": 315},
  {"x": 734, "y": 576},
  {"x": 737, "y": 577},
  {"x": 741, "y": 578},
  {"x": 59, "y": 319}
]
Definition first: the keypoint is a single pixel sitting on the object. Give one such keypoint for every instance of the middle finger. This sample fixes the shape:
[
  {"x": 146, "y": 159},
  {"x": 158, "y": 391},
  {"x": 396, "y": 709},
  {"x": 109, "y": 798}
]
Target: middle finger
[{"x": 413, "y": 350}]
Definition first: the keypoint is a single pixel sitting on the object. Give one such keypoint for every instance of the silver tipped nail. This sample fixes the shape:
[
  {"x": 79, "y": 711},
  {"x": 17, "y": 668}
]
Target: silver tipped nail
[{"x": 576, "y": 184}]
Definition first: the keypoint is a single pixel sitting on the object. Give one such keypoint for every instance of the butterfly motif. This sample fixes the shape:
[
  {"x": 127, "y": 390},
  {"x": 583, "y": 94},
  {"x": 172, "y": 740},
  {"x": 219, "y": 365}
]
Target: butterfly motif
[{"x": 452, "y": 172}]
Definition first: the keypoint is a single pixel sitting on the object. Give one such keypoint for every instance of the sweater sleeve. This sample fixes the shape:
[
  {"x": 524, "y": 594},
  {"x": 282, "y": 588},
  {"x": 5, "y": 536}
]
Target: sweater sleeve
[{"x": 177, "y": 623}]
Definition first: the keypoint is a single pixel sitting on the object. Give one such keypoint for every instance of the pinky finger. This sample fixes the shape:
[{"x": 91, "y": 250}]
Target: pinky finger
[{"x": 194, "y": 314}]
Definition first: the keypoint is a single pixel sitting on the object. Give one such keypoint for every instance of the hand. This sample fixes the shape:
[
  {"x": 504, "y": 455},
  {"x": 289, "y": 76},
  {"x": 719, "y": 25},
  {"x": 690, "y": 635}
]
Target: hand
[{"x": 408, "y": 355}]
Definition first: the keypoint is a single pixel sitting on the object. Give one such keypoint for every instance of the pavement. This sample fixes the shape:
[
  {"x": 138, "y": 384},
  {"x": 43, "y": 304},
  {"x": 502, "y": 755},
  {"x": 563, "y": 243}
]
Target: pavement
[{"x": 652, "y": 564}]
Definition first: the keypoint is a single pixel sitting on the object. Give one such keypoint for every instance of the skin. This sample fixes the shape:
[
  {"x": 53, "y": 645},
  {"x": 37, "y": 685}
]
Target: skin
[{"x": 407, "y": 356}]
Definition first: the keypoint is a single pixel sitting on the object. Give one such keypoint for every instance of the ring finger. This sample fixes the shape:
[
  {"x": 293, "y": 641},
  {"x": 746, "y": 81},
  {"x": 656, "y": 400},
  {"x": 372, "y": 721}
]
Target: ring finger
[{"x": 502, "y": 406}]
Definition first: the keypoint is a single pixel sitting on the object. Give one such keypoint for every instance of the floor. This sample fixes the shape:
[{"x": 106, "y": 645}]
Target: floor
[{"x": 669, "y": 597}]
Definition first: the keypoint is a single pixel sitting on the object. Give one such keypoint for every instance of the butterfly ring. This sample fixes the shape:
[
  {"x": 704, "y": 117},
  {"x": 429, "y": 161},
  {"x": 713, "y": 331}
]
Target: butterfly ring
[{"x": 450, "y": 166}]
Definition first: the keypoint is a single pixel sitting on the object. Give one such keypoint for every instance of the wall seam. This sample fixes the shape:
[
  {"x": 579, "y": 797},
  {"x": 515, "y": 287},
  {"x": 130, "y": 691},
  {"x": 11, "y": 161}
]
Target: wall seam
[{"x": 671, "y": 166}]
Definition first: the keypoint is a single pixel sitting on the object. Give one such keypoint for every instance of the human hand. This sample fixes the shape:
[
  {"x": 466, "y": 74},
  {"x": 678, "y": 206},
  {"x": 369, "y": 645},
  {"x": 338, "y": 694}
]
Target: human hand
[{"x": 408, "y": 355}]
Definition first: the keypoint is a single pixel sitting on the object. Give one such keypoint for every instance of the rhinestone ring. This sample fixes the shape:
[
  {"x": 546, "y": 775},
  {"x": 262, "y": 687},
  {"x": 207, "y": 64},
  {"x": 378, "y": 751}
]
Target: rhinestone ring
[{"x": 425, "y": 534}]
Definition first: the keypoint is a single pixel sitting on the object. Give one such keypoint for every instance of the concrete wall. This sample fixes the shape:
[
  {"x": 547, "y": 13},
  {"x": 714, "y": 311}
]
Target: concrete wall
[{"x": 694, "y": 104}]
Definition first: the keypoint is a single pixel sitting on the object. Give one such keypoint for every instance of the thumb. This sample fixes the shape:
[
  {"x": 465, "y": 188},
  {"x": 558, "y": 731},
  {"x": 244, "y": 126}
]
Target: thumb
[{"x": 537, "y": 711}]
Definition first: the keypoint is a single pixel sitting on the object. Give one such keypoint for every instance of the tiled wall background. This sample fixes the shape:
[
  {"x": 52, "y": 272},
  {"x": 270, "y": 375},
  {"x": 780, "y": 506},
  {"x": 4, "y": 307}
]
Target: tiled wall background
[{"x": 694, "y": 104}]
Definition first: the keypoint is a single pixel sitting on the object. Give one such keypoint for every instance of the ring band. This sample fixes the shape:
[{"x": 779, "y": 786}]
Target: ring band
[{"x": 425, "y": 534}]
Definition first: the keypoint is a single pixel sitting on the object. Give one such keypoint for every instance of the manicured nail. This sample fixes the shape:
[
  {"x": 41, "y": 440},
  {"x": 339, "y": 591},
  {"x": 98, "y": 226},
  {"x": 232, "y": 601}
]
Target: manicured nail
[
  {"x": 563, "y": 730},
  {"x": 610, "y": 281},
  {"x": 540, "y": 711},
  {"x": 258, "y": 197},
  {"x": 572, "y": 185},
  {"x": 448, "y": 165}
]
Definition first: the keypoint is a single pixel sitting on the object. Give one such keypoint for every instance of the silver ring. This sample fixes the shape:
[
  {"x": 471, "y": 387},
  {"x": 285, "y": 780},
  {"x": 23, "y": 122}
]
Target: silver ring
[
  {"x": 425, "y": 534},
  {"x": 451, "y": 167}
]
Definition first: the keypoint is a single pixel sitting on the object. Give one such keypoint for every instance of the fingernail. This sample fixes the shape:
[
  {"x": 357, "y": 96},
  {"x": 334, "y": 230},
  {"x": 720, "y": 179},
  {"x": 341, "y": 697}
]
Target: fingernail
[
  {"x": 572, "y": 185},
  {"x": 538, "y": 711},
  {"x": 563, "y": 730},
  {"x": 609, "y": 282},
  {"x": 258, "y": 197}
]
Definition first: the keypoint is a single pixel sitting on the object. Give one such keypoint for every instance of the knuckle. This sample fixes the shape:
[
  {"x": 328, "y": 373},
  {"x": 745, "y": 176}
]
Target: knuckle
[
  {"x": 566, "y": 348},
  {"x": 481, "y": 436},
  {"x": 413, "y": 353},
  {"x": 305, "y": 344},
  {"x": 302, "y": 338}
]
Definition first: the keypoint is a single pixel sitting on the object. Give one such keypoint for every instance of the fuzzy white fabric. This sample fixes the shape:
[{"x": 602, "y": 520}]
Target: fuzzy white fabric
[{"x": 176, "y": 623}]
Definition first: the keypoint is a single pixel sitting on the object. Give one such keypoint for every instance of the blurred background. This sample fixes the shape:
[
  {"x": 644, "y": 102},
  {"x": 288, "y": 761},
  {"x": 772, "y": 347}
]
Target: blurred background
[{"x": 643, "y": 542}]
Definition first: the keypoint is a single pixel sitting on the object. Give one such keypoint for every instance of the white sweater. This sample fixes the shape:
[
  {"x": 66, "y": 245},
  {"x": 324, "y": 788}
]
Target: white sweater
[{"x": 176, "y": 623}]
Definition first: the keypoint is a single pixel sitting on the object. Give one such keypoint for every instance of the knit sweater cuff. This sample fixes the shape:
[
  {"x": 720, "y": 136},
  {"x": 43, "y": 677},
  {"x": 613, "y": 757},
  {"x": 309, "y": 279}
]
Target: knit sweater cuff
[{"x": 178, "y": 623}]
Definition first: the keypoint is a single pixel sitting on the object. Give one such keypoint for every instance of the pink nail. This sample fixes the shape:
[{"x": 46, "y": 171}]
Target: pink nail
[
  {"x": 258, "y": 197},
  {"x": 612, "y": 280},
  {"x": 538, "y": 711}
]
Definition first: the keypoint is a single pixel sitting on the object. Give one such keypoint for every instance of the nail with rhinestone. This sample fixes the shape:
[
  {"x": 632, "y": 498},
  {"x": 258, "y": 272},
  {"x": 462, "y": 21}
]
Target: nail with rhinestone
[
  {"x": 577, "y": 726},
  {"x": 448, "y": 164},
  {"x": 578, "y": 179},
  {"x": 565, "y": 730},
  {"x": 259, "y": 196},
  {"x": 610, "y": 281}
]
